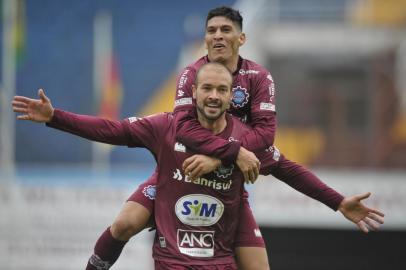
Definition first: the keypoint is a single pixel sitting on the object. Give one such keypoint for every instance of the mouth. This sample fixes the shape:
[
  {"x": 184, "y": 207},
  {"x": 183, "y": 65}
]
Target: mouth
[
  {"x": 213, "y": 108},
  {"x": 218, "y": 46},
  {"x": 213, "y": 105}
]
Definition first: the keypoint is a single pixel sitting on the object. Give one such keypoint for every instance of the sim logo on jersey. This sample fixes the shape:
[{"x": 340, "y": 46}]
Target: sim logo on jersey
[
  {"x": 196, "y": 243},
  {"x": 149, "y": 192},
  {"x": 199, "y": 210},
  {"x": 240, "y": 97}
]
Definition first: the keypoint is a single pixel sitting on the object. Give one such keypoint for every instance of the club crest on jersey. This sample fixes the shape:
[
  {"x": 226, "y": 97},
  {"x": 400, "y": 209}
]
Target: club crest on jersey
[
  {"x": 240, "y": 97},
  {"x": 150, "y": 192},
  {"x": 224, "y": 171}
]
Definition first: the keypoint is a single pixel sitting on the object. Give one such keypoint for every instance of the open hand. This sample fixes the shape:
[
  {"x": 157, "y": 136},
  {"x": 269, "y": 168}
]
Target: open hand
[
  {"x": 37, "y": 110},
  {"x": 364, "y": 217}
]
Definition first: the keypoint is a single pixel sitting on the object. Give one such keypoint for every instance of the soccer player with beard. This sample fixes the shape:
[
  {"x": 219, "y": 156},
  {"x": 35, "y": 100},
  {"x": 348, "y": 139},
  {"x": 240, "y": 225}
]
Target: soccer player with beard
[{"x": 207, "y": 208}]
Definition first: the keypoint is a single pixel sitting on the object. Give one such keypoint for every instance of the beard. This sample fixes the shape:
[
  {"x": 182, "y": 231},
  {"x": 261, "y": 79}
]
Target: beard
[{"x": 211, "y": 116}]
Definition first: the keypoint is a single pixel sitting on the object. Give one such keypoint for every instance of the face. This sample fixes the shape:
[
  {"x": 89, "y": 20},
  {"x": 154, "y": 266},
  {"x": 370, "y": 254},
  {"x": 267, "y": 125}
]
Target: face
[
  {"x": 223, "y": 39},
  {"x": 213, "y": 93}
]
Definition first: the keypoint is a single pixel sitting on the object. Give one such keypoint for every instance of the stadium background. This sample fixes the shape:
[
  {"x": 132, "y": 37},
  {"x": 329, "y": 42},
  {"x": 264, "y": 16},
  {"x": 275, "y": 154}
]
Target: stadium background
[{"x": 339, "y": 67}]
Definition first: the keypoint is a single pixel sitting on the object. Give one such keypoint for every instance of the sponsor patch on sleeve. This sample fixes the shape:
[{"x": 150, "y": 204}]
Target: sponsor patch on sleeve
[
  {"x": 133, "y": 119},
  {"x": 183, "y": 101},
  {"x": 267, "y": 106}
]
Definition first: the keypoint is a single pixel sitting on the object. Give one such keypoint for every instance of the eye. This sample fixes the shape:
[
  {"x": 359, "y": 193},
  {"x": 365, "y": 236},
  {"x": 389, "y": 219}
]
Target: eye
[
  {"x": 211, "y": 30},
  {"x": 223, "y": 90},
  {"x": 226, "y": 29}
]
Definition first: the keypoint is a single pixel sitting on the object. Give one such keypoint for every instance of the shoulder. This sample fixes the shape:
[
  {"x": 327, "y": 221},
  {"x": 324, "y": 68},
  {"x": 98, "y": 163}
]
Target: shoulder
[
  {"x": 155, "y": 120},
  {"x": 193, "y": 67},
  {"x": 254, "y": 70}
]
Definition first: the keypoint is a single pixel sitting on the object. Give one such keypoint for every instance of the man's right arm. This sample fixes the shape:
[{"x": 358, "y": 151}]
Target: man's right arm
[
  {"x": 133, "y": 132},
  {"x": 90, "y": 127}
]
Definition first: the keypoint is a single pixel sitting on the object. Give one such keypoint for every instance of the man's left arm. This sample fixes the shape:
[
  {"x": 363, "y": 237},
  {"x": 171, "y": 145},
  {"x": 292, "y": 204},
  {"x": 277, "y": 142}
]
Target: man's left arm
[
  {"x": 263, "y": 115},
  {"x": 304, "y": 181}
]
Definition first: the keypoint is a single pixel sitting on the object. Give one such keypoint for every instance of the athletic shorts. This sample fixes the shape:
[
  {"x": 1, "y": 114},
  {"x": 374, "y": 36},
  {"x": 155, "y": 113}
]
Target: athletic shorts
[
  {"x": 248, "y": 233},
  {"x": 160, "y": 265}
]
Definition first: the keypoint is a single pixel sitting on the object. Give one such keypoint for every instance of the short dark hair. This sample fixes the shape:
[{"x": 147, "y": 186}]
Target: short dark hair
[
  {"x": 212, "y": 64},
  {"x": 230, "y": 13}
]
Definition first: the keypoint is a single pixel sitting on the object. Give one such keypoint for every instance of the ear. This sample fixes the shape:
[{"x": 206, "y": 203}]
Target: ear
[
  {"x": 194, "y": 91},
  {"x": 242, "y": 38}
]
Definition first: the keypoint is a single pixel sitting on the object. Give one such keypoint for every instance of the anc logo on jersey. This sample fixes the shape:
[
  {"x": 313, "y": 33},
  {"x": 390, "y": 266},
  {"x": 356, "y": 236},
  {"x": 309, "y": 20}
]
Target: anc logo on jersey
[
  {"x": 240, "y": 97},
  {"x": 196, "y": 243}
]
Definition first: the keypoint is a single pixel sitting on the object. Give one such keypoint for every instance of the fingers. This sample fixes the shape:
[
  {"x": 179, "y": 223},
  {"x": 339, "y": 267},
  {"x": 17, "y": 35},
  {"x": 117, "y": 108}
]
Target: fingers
[
  {"x": 191, "y": 167},
  {"x": 377, "y": 212},
  {"x": 23, "y": 117},
  {"x": 20, "y": 110},
  {"x": 376, "y": 217},
  {"x": 196, "y": 172},
  {"x": 361, "y": 225},
  {"x": 23, "y": 99},
  {"x": 371, "y": 224},
  {"x": 256, "y": 171},
  {"x": 246, "y": 177},
  {"x": 42, "y": 96},
  {"x": 19, "y": 104},
  {"x": 187, "y": 162},
  {"x": 363, "y": 196}
]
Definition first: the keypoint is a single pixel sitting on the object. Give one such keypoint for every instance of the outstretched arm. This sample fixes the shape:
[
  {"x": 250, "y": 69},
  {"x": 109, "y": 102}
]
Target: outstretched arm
[
  {"x": 309, "y": 184},
  {"x": 364, "y": 217},
  {"x": 133, "y": 132},
  {"x": 86, "y": 126}
]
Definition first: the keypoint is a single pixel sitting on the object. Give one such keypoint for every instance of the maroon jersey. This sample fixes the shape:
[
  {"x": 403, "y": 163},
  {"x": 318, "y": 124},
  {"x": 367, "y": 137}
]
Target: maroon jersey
[
  {"x": 196, "y": 220},
  {"x": 253, "y": 102}
]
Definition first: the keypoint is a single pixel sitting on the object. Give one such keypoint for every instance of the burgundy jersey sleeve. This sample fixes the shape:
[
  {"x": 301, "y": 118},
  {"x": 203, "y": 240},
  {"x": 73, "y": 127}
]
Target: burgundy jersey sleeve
[
  {"x": 184, "y": 94},
  {"x": 147, "y": 131},
  {"x": 200, "y": 140},
  {"x": 263, "y": 119},
  {"x": 133, "y": 132},
  {"x": 306, "y": 182},
  {"x": 188, "y": 129},
  {"x": 89, "y": 127}
]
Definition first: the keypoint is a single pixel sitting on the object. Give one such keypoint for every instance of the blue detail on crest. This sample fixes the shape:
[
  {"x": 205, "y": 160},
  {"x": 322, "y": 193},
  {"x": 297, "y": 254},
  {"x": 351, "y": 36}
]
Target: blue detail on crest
[
  {"x": 150, "y": 192},
  {"x": 240, "y": 97}
]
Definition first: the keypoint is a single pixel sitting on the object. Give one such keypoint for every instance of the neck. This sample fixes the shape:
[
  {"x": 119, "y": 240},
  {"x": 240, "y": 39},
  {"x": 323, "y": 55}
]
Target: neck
[
  {"x": 231, "y": 64},
  {"x": 216, "y": 126}
]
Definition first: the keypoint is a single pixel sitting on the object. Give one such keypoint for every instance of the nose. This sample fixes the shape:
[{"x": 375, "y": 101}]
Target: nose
[
  {"x": 214, "y": 95},
  {"x": 218, "y": 35}
]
